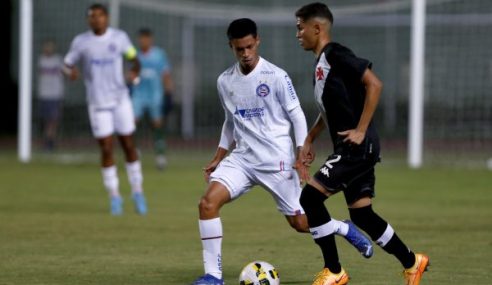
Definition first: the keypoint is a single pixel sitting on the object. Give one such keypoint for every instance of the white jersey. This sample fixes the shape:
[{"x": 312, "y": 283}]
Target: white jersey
[
  {"x": 257, "y": 104},
  {"x": 50, "y": 77},
  {"x": 102, "y": 58}
]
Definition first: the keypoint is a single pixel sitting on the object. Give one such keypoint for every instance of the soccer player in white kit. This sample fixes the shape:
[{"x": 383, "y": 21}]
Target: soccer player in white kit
[
  {"x": 101, "y": 51},
  {"x": 260, "y": 106}
]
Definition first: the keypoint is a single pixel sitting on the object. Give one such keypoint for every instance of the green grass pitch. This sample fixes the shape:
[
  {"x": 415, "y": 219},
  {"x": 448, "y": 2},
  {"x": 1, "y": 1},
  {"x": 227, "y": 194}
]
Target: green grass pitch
[{"x": 55, "y": 227}]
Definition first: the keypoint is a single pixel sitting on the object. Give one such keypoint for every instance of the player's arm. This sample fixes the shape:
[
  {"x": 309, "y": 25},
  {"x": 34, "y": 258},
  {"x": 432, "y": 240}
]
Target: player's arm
[
  {"x": 71, "y": 58},
  {"x": 315, "y": 130},
  {"x": 226, "y": 139},
  {"x": 306, "y": 154},
  {"x": 134, "y": 73},
  {"x": 168, "y": 81},
  {"x": 373, "y": 91},
  {"x": 71, "y": 72},
  {"x": 298, "y": 120},
  {"x": 226, "y": 142}
]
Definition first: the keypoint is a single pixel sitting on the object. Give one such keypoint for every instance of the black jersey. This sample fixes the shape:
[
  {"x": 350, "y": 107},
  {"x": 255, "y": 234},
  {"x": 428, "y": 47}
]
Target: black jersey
[{"x": 340, "y": 96}]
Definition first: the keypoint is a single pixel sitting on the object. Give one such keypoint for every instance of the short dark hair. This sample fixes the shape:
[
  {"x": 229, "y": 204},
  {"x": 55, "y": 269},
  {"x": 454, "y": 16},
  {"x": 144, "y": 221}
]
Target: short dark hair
[
  {"x": 240, "y": 28},
  {"x": 97, "y": 6},
  {"x": 314, "y": 10},
  {"x": 145, "y": 32}
]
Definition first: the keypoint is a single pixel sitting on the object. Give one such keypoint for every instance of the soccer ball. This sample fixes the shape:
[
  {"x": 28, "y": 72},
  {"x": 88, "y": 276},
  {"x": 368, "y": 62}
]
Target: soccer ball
[{"x": 259, "y": 273}]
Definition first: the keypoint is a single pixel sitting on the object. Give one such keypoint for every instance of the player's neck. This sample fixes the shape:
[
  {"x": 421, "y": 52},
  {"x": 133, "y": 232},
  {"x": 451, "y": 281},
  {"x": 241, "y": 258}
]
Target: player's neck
[
  {"x": 100, "y": 32},
  {"x": 146, "y": 49},
  {"x": 247, "y": 69},
  {"x": 321, "y": 45}
]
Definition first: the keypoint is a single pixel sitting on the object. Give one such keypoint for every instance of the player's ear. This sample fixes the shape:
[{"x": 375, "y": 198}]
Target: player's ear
[
  {"x": 317, "y": 28},
  {"x": 258, "y": 40}
]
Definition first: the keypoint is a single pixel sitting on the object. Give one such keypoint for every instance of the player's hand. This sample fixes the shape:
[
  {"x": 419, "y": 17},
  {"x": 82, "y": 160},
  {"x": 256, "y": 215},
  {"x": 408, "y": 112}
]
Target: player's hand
[
  {"x": 74, "y": 74},
  {"x": 133, "y": 77},
  {"x": 305, "y": 158},
  {"x": 302, "y": 171},
  {"x": 307, "y": 154},
  {"x": 209, "y": 169},
  {"x": 168, "y": 103},
  {"x": 353, "y": 136}
]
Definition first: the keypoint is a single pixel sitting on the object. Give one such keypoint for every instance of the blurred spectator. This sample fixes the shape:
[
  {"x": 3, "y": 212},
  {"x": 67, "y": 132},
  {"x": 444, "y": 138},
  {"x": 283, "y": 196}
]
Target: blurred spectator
[
  {"x": 153, "y": 95},
  {"x": 50, "y": 92}
]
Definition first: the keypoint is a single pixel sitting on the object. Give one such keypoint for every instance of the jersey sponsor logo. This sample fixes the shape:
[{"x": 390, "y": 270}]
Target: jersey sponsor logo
[
  {"x": 250, "y": 113},
  {"x": 101, "y": 61},
  {"x": 320, "y": 75},
  {"x": 290, "y": 87},
  {"x": 262, "y": 90},
  {"x": 268, "y": 72}
]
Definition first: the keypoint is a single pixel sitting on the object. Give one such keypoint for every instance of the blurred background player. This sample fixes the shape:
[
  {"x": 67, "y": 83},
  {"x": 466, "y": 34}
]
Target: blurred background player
[
  {"x": 347, "y": 93},
  {"x": 261, "y": 107},
  {"x": 50, "y": 92},
  {"x": 101, "y": 51},
  {"x": 147, "y": 96}
]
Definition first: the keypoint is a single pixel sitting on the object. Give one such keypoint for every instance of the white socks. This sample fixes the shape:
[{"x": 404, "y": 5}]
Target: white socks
[
  {"x": 341, "y": 228},
  {"x": 135, "y": 177},
  {"x": 211, "y": 234},
  {"x": 110, "y": 180},
  {"x": 332, "y": 227}
]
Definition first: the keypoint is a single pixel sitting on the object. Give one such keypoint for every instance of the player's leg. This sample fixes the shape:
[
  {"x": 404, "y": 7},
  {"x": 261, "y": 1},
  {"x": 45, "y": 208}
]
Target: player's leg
[
  {"x": 158, "y": 131},
  {"x": 138, "y": 105},
  {"x": 210, "y": 226},
  {"x": 227, "y": 182},
  {"x": 323, "y": 229},
  {"x": 298, "y": 222},
  {"x": 359, "y": 199},
  {"x": 51, "y": 124},
  {"x": 321, "y": 225},
  {"x": 336, "y": 173},
  {"x": 327, "y": 181},
  {"x": 102, "y": 129},
  {"x": 110, "y": 175},
  {"x": 125, "y": 127},
  {"x": 284, "y": 186}
]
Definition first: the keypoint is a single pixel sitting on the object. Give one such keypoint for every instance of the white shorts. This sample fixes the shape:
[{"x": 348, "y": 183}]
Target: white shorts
[
  {"x": 106, "y": 121},
  {"x": 284, "y": 186}
]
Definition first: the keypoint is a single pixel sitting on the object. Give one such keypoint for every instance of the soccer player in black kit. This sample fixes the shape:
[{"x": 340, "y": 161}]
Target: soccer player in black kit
[{"x": 347, "y": 93}]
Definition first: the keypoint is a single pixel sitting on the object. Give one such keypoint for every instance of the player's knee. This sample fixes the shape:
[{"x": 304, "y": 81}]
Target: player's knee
[
  {"x": 298, "y": 227},
  {"x": 311, "y": 198},
  {"x": 299, "y": 223},
  {"x": 208, "y": 206}
]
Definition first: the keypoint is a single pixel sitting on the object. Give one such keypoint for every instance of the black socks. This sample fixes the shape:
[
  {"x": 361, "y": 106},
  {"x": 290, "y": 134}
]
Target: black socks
[
  {"x": 382, "y": 233},
  {"x": 312, "y": 201}
]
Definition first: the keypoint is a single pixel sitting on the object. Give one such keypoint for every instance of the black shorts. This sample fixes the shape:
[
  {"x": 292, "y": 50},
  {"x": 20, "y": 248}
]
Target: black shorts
[{"x": 354, "y": 176}]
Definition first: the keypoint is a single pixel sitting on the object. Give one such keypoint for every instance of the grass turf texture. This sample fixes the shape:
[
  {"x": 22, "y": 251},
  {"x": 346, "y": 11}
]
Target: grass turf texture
[{"x": 55, "y": 227}]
